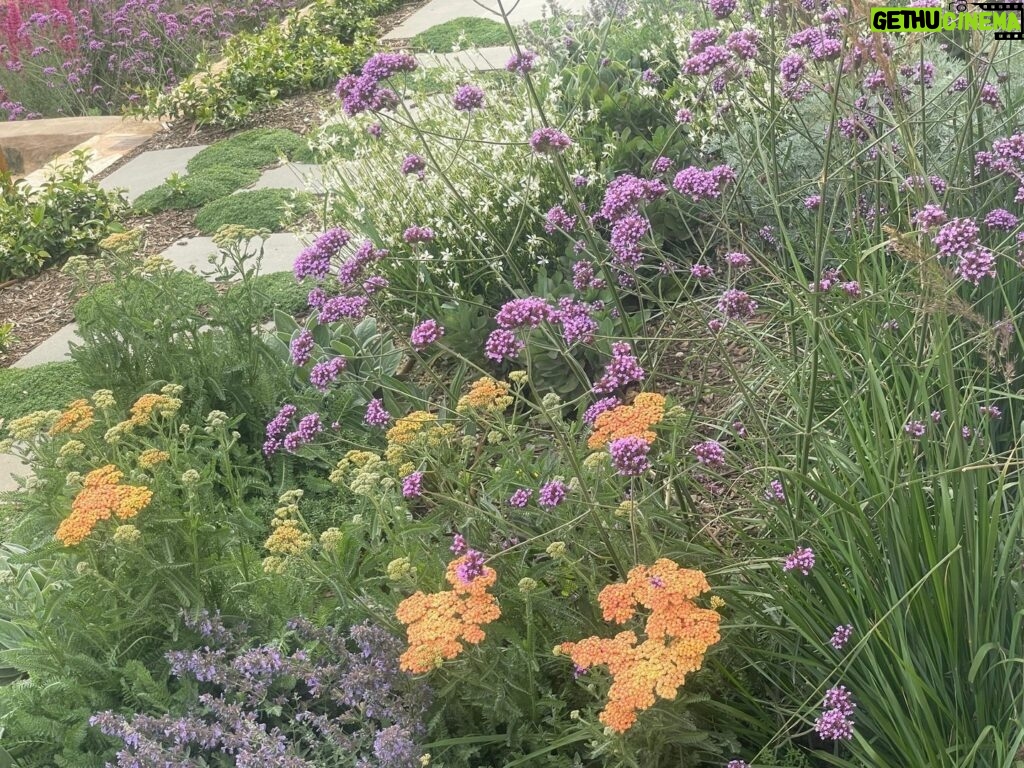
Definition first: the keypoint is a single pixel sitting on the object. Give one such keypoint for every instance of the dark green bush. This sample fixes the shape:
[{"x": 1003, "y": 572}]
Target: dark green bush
[
  {"x": 256, "y": 209},
  {"x": 66, "y": 216},
  {"x": 196, "y": 189}
]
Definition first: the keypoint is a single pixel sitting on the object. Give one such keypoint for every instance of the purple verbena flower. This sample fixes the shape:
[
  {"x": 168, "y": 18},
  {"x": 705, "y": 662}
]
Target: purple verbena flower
[
  {"x": 425, "y": 334},
  {"x": 629, "y": 455},
  {"x": 802, "y": 559},
  {"x": 552, "y": 494}
]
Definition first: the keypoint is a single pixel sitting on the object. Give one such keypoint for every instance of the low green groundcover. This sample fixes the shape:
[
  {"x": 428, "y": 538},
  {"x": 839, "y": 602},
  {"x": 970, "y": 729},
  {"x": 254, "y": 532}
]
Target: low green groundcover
[
  {"x": 42, "y": 387},
  {"x": 257, "y": 209},
  {"x": 196, "y": 189},
  {"x": 259, "y": 148}
]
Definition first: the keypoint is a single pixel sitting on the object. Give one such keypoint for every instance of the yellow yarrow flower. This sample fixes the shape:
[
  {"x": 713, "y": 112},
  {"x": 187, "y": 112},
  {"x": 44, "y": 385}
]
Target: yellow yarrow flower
[{"x": 151, "y": 457}]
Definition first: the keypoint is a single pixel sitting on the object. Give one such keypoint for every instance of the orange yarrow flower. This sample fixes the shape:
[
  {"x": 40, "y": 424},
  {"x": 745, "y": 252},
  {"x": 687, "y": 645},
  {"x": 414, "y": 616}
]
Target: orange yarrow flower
[
  {"x": 439, "y": 623},
  {"x": 633, "y": 420},
  {"x": 143, "y": 409},
  {"x": 486, "y": 394},
  {"x": 101, "y": 497},
  {"x": 678, "y": 636},
  {"x": 78, "y": 417}
]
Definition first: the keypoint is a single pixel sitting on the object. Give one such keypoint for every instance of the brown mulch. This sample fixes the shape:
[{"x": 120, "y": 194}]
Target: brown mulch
[
  {"x": 164, "y": 229},
  {"x": 39, "y": 306}
]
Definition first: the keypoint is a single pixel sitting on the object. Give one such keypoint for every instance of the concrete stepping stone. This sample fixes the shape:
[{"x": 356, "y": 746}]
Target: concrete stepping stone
[
  {"x": 479, "y": 59},
  {"x": 55, "y": 349},
  {"x": 150, "y": 170},
  {"x": 439, "y": 11},
  {"x": 10, "y": 466},
  {"x": 279, "y": 252},
  {"x": 302, "y": 177}
]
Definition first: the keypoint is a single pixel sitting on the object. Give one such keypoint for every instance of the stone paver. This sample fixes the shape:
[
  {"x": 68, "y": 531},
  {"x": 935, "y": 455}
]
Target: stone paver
[
  {"x": 54, "y": 350},
  {"x": 303, "y": 177},
  {"x": 33, "y": 146},
  {"x": 279, "y": 252},
  {"x": 9, "y": 466},
  {"x": 440, "y": 11},
  {"x": 475, "y": 58},
  {"x": 149, "y": 170}
]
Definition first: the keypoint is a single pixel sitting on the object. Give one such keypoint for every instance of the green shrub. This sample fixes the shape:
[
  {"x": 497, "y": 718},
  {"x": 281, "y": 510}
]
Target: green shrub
[
  {"x": 196, "y": 189},
  {"x": 40, "y": 388},
  {"x": 66, "y": 216},
  {"x": 309, "y": 51},
  {"x": 269, "y": 209},
  {"x": 279, "y": 291},
  {"x": 258, "y": 148}
]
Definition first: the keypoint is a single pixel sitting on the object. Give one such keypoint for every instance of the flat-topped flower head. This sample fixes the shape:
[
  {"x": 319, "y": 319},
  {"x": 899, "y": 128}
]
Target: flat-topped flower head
[
  {"x": 439, "y": 624},
  {"x": 678, "y": 634}
]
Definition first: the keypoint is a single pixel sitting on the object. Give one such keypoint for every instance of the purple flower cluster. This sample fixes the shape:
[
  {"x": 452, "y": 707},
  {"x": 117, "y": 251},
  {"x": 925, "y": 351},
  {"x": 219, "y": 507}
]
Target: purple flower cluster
[
  {"x": 343, "y": 308},
  {"x": 622, "y": 369},
  {"x": 930, "y": 216},
  {"x": 707, "y": 60},
  {"x": 549, "y": 141},
  {"x": 552, "y": 494},
  {"x": 625, "y": 194},
  {"x": 661, "y": 164},
  {"x": 520, "y": 498},
  {"x": 736, "y": 305},
  {"x": 836, "y": 721},
  {"x": 414, "y": 164},
  {"x": 412, "y": 485},
  {"x": 277, "y": 428},
  {"x": 353, "y": 268},
  {"x": 584, "y": 277},
  {"x": 471, "y": 568},
  {"x": 301, "y": 348},
  {"x": 802, "y": 559},
  {"x": 956, "y": 238},
  {"x": 502, "y": 345},
  {"x": 701, "y": 271},
  {"x": 710, "y": 453},
  {"x": 914, "y": 428},
  {"x": 418, "y": 234},
  {"x": 376, "y": 415},
  {"x": 315, "y": 259},
  {"x": 339, "y": 704},
  {"x": 308, "y": 428},
  {"x": 630, "y": 455},
  {"x": 841, "y": 636},
  {"x": 721, "y": 8},
  {"x": 326, "y": 373},
  {"x": 775, "y": 492},
  {"x": 425, "y": 334},
  {"x": 743, "y": 44},
  {"x": 595, "y": 410},
  {"x": 1000, "y": 218},
  {"x": 558, "y": 219},
  {"x": 521, "y": 62},
  {"x": 698, "y": 184},
  {"x": 363, "y": 92},
  {"x": 468, "y": 97},
  {"x": 792, "y": 69}
]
